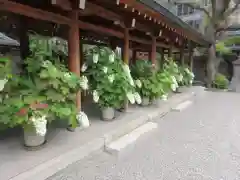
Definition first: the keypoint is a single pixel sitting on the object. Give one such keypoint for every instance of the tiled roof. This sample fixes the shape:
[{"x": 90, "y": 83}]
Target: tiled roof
[{"x": 175, "y": 19}]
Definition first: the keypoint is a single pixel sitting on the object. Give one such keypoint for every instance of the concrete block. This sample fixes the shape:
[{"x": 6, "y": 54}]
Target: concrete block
[
  {"x": 124, "y": 144},
  {"x": 182, "y": 106}
]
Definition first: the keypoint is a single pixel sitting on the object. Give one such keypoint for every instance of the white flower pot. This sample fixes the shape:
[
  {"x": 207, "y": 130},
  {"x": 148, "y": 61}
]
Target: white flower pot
[
  {"x": 145, "y": 101},
  {"x": 31, "y": 138},
  {"x": 108, "y": 113}
]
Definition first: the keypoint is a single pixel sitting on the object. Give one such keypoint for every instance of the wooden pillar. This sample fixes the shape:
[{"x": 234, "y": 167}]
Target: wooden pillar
[
  {"x": 162, "y": 57},
  {"x": 126, "y": 58},
  {"x": 190, "y": 55},
  {"x": 74, "y": 51},
  {"x": 182, "y": 56},
  {"x": 191, "y": 60},
  {"x": 24, "y": 41},
  {"x": 149, "y": 55},
  {"x": 134, "y": 56},
  {"x": 126, "y": 46},
  {"x": 154, "y": 51},
  {"x": 170, "y": 52},
  {"x": 113, "y": 44}
]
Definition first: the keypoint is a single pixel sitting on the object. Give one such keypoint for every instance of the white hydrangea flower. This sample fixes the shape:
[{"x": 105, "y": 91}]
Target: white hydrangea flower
[
  {"x": 111, "y": 57},
  {"x": 84, "y": 67},
  {"x": 173, "y": 87},
  {"x": 83, "y": 119},
  {"x": 192, "y": 75},
  {"x": 131, "y": 97},
  {"x": 187, "y": 70},
  {"x": 131, "y": 81},
  {"x": 95, "y": 58},
  {"x": 191, "y": 81},
  {"x": 105, "y": 69},
  {"x": 126, "y": 68},
  {"x": 128, "y": 73},
  {"x": 40, "y": 124},
  {"x": 84, "y": 83},
  {"x": 111, "y": 78},
  {"x": 2, "y": 83},
  {"x": 164, "y": 97},
  {"x": 180, "y": 78},
  {"x": 138, "y": 98},
  {"x": 138, "y": 83},
  {"x": 118, "y": 50},
  {"x": 67, "y": 75},
  {"x": 95, "y": 96},
  {"x": 174, "y": 80}
]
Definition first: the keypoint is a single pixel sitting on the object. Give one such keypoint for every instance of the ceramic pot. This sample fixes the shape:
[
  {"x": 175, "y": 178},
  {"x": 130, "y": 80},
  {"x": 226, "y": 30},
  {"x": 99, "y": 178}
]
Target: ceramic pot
[
  {"x": 145, "y": 101},
  {"x": 108, "y": 114},
  {"x": 31, "y": 138}
]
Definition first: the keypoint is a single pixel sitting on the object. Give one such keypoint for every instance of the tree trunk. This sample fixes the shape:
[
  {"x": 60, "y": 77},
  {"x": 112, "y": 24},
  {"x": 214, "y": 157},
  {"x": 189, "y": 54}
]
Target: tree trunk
[{"x": 211, "y": 65}]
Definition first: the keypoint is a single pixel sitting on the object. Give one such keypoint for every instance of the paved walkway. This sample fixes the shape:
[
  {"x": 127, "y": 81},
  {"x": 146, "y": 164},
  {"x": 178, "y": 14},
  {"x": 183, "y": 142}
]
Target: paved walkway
[{"x": 198, "y": 143}]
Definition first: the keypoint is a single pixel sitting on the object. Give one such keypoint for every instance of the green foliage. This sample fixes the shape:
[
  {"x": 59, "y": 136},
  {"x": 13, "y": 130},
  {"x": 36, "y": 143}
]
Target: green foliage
[
  {"x": 222, "y": 49},
  {"x": 141, "y": 68},
  {"x": 220, "y": 81},
  {"x": 187, "y": 75},
  {"x": 5, "y": 68},
  {"x": 46, "y": 82},
  {"x": 171, "y": 67},
  {"x": 107, "y": 76},
  {"x": 143, "y": 71},
  {"x": 232, "y": 40}
]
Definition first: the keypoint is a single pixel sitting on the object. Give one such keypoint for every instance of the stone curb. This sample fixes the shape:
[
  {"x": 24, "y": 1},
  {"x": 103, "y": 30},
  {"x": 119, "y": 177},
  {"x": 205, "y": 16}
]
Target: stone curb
[{"x": 49, "y": 168}]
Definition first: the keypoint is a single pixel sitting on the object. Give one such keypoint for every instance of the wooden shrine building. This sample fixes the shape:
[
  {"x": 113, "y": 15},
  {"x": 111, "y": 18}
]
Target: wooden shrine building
[{"x": 139, "y": 25}]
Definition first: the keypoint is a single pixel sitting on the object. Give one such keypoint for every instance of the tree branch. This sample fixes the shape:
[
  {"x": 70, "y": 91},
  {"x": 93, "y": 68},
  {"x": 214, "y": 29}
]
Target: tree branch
[{"x": 232, "y": 10}]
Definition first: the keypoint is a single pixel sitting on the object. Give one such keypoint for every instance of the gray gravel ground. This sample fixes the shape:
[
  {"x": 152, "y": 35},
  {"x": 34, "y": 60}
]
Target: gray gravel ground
[{"x": 199, "y": 143}]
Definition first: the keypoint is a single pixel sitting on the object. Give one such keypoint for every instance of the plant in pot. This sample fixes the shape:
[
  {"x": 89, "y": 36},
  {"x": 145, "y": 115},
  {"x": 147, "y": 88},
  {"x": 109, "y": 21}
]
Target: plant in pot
[
  {"x": 188, "y": 76},
  {"x": 23, "y": 106},
  {"x": 143, "y": 73},
  {"x": 56, "y": 83},
  {"x": 164, "y": 81},
  {"x": 171, "y": 68},
  {"x": 109, "y": 83}
]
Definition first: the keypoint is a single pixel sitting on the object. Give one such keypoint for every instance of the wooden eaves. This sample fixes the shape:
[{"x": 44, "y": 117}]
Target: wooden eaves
[{"x": 112, "y": 12}]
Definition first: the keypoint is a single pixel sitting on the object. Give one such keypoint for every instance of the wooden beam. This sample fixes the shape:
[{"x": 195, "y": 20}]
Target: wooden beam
[
  {"x": 64, "y": 4},
  {"x": 149, "y": 42},
  {"x": 52, "y": 17},
  {"x": 35, "y": 13},
  {"x": 59, "y": 19}
]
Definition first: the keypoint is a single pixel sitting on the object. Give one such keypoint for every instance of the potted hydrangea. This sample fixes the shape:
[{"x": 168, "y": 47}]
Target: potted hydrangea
[
  {"x": 150, "y": 87},
  {"x": 173, "y": 70},
  {"x": 23, "y": 106},
  {"x": 34, "y": 124},
  {"x": 164, "y": 87},
  {"x": 109, "y": 80},
  {"x": 46, "y": 91}
]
